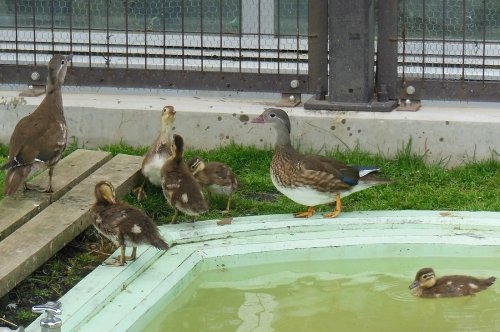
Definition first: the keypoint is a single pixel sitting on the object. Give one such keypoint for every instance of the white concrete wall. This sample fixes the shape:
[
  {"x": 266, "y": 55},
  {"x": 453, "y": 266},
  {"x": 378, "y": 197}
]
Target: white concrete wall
[{"x": 455, "y": 132}]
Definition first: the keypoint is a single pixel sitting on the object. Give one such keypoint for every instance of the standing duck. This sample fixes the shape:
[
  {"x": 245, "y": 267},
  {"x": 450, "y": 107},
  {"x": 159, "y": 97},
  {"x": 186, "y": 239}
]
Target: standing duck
[
  {"x": 41, "y": 137},
  {"x": 123, "y": 224},
  {"x": 427, "y": 285},
  {"x": 180, "y": 188},
  {"x": 217, "y": 177},
  {"x": 311, "y": 180},
  {"x": 158, "y": 153}
]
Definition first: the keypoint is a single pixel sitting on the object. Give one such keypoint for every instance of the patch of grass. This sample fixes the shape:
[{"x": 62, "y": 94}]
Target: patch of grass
[{"x": 415, "y": 185}]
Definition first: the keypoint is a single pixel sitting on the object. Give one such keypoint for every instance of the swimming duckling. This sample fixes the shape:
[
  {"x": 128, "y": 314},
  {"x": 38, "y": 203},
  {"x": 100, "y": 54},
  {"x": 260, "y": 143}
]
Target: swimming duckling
[
  {"x": 123, "y": 224},
  {"x": 217, "y": 177},
  {"x": 426, "y": 284},
  {"x": 310, "y": 179},
  {"x": 180, "y": 188},
  {"x": 158, "y": 153}
]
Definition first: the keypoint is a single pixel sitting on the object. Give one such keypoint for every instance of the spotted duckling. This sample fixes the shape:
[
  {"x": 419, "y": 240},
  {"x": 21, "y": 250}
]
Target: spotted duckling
[
  {"x": 427, "y": 285},
  {"x": 123, "y": 224},
  {"x": 180, "y": 188},
  {"x": 217, "y": 177},
  {"x": 309, "y": 179},
  {"x": 158, "y": 152}
]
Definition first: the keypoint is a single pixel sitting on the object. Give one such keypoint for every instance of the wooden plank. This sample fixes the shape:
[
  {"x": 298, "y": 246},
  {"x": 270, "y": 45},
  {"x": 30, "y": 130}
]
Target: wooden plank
[
  {"x": 50, "y": 230},
  {"x": 15, "y": 211}
]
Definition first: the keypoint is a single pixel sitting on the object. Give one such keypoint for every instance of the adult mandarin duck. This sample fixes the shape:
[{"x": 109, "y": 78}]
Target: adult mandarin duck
[
  {"x": 180, "y": 188},
  {"x": 158, "y": 152},
  {"x": 122, "y": 223},
  {"x": 427, "y": 285},
  {"x": 310, "y": 179},
  {"x": 39, "y": 138},
  {"x": 216, "y": 177}
]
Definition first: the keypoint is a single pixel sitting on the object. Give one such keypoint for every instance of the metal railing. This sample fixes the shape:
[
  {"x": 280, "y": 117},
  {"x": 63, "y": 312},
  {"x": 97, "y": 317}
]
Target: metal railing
[{"x": 446, "y": 49}]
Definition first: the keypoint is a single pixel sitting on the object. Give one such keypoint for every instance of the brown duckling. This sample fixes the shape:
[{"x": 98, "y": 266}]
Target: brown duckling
[
  {"x": 427, "y": 285},
  {"x": 217, "y": 177},
  {"x": 158, "y": 153},
  {"x": 39, "y": 138},
  {"x": 180, "y": 188},
  {"x": 123, "y": 224},
  {"x": 309, "y": 179}
]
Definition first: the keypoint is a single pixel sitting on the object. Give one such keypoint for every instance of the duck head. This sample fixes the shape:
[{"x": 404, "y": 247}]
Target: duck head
[
  {"x": 177, "y": 146},
  {"x": 167, "y": 116},
  {"x": 105, "y": 192},
  {"x": 196, "y": 164},
  {"x": 275, "y": 116},
  {"x": 425, "y": 278},
  {"x": 58, "y": 66}
]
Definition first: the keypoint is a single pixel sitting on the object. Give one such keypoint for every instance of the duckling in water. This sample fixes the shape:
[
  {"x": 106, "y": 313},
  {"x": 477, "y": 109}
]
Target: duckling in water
[
  {"x": 427, "y": 285},
  {"x": 123, "y": 224},
  {"x": 180, "y": 188},
  {"x": 217, "y": 177}
]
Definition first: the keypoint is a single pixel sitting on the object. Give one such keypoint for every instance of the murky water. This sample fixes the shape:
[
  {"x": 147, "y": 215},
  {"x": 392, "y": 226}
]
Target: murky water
[{"x": 337, "y": 295}]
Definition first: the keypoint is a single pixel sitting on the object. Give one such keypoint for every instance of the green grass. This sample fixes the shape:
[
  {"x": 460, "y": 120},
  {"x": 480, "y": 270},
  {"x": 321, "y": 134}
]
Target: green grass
[{"x": 415, "y": 185}]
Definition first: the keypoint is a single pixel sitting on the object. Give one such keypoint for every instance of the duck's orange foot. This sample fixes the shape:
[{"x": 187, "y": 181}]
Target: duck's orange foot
[
  {"x": 306, "y": 214},
  {"x": 336, "y": 212}
]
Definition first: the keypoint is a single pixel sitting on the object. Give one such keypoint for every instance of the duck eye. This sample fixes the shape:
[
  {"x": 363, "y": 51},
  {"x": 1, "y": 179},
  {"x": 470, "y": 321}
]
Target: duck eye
[
  {"x": 63, "y": 62},
  {"x": 272, "y": 115}
]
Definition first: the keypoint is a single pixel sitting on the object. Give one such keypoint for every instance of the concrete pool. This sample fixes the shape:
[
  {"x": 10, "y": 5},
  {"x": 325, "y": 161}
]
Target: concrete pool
[{"x": 125, "y": 299}]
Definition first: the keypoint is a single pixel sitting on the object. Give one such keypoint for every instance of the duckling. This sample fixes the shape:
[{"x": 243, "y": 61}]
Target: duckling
[
  {"x": 180, "y": 188},
  {"x": 158, "y": 153},
  {"x": 312, "y": 179},
  {"x": 426, "y": 284},
  {"x": 217, "y": 177},
  {"x": 123, "y": 224},
  {"x": 39, "y": 138}
]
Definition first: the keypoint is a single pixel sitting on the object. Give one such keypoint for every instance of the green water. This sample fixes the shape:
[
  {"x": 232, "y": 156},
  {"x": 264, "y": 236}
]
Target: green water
[{"x": 336, "y": 295}]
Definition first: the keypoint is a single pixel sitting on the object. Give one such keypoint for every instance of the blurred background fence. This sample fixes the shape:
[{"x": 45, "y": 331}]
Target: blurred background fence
[{"x": 445, "y": 48}]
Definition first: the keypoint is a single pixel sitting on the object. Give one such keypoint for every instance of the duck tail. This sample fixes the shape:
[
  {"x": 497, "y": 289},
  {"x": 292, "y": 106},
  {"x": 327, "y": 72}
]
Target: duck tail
[
  {"x": 13, "y": 179},
  {"x": 158, "y": 242}
]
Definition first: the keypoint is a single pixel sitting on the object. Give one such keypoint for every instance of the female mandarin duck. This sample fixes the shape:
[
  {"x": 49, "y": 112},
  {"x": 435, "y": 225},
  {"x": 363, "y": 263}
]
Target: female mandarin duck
[
  {"x": 311, "y": 179},
  {"x": 40, "y": 138},
  {"x": 217, "y": 177},
  {"x": 123, "y": 224},
  {"x": 180, "y": 188},
  {"x": 158, "y": 153},
  {"x": 426, "y": 284}
]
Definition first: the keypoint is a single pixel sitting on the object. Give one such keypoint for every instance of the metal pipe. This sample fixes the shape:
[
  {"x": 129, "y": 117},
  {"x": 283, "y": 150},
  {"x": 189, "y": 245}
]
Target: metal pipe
[{"x": 318, "y": 48}]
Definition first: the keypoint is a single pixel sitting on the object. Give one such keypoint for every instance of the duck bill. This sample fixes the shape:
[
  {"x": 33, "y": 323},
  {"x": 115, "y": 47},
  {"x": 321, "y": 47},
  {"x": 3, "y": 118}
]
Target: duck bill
[
  {"x": 259, "y": 119},
  {"x": 414, "y": 284}
]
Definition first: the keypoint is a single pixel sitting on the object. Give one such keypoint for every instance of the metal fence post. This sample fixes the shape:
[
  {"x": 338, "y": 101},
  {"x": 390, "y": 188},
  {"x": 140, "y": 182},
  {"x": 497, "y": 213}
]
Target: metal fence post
[
  {"x": 351, "y": 69},
  {"x": 318, "y": 48},
  {"x": 387, "y": 83}
]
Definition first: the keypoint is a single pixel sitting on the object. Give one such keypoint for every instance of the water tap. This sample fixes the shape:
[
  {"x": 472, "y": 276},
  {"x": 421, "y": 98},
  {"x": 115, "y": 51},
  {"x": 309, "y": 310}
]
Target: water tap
[{"x": 50, "y": 323}]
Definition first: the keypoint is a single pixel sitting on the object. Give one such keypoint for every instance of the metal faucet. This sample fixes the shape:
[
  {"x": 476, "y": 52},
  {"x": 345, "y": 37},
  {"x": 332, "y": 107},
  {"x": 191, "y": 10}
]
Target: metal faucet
[{"x": 51, "y": 323}]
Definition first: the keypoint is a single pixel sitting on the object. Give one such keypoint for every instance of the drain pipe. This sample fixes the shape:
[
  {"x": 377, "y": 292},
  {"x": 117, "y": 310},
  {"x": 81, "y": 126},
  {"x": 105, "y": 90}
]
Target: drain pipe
[{"x": 51, "y": 323}]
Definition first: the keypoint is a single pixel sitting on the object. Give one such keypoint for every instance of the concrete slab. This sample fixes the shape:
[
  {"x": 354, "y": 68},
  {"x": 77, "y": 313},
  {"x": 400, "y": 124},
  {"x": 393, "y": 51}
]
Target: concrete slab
[
  {"x": 15, "y": 211},
  {"x": 46, "y": 233},
  {"x": 452, "y": 132}
]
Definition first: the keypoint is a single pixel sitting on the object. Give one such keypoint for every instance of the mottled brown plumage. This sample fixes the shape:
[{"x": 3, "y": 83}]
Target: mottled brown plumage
[
  {"x": 180, "y": 188},
  {"x": 40, "y": 138},
  {"x": 216, "y": 177},
  {"x": 123, "y": 224},
  {"x": 311, "y": 179},
  {"x": 158, "y": 152},
  {"x": 427, "y": 285}
]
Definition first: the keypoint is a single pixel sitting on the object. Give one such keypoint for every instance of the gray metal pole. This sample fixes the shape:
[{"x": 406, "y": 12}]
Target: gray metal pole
[
  {"x": 318, "y": 48},
  {"x": 387, "y": 51}
]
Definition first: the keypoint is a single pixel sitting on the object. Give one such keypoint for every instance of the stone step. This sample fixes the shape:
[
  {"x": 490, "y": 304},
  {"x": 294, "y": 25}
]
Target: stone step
[
  {"x": 46, "y": 233},
  {"x": 15, "y": 211}
]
